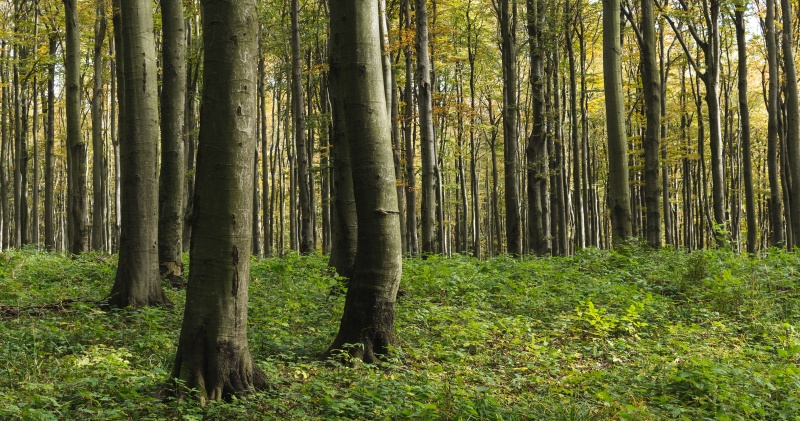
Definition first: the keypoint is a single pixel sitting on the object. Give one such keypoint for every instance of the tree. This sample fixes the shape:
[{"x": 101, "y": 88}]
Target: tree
[
  {"x": 536, "y": 150},
  {"x": 356, "y": 78},
  {"x": 744, "y": 112},
  {"x": 137, "y": 281},
  {"x": 98, "y": 155},
  {"x": 507, "y": 21},
  {"x": 213, "y": 355},
  {"x": 792, "y": 121},
  {"x": 173, "y": 170},
  {"x": 301, "y": 156},
  {"x": 775, "y": 208},
  {"x": 619, "y": 202},
  {"x": 426, "y": 132},
  {"x": 78, "y": 229}
]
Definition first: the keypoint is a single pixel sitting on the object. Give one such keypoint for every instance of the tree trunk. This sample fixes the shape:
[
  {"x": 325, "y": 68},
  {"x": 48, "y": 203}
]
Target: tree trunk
[
  {"x": 426, "y": 133},
  {"x": 137, "y": 281},
  {"x": 301, "y": 158},
  {"x": 98, "y": 155},
  {"x": 618, "y": 190},
  {"x": 78, "y": 230},
  {"x": 537, "y": 143},
  {"x": 412, "y": 240},
  {"x": 775, "y": 207},
  {"x": 509, "y": 60},
  {"x": 792, "y": 120},
  {"x": 213, "y": 356},
  {"x": 651, "y": 85},
  {"x": 744, "y": 113},
  {"x": 173, "y": 171},
  {"x": 368, "y": 319},
  {"x": 49, "y": 152}
]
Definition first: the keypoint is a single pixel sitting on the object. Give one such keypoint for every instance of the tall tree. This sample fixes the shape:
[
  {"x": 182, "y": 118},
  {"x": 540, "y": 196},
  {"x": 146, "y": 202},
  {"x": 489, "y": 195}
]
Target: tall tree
[
  {"x": 213, "y": 355},
  {"x": 301, "y": 156},
  {"x": 137, "y": 281},
  {"x": 49, "y": 149},
  {"x": 536, "y": 150},
  {"x": 173, "y": 170},
  {"x": 507, "y": 20},
  {"x": 792, "y": 121},
  {"x": 744, "y": 113},
  {"x": 619, "y": 202},
  {"x": 78, "y": 229},
  {"x": 775, "y": 207},
  {"x": 426, "y": 132},
  {"x": 98, "y": 152},
  {"x": 368, "y": 319}
]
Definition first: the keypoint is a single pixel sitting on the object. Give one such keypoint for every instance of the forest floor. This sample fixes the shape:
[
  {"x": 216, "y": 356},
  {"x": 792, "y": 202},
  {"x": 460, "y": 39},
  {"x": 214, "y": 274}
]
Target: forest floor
[{"x": 631, "y": 334}]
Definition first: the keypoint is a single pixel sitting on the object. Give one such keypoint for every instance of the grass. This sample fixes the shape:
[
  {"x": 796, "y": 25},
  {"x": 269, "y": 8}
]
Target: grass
[{"x": 632, "y": 334}]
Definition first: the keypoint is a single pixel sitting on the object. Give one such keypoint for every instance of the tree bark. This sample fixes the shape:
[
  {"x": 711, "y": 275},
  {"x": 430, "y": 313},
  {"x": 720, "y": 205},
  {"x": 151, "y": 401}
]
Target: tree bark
[
  {"x": 744, "y": 113},
  {"x": 49, "y": 151},
  {"x": 775, "y": 206},
  {"x": 368, "y": 318},
  {"x": 426, "y": 132},
  {"x": 173, "y": 171},
  {"x": 537, "y": 143},
  {"x": 792, "y": 119},
  {"x": 618, "y": 189},
  {"x": 78, "y": 230},
  {"x": 301, "y": 158},
  {"x": 213, "y": 356},
  {"x": 651, "y": 84},
  {"x": 137, "y": 281},
  {"x": 509, "y": 60},
  {"x": 98, "y": 153}
]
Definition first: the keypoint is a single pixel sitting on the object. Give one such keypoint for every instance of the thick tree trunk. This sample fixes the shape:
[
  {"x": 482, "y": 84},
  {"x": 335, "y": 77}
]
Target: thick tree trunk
[
  {"x": 98, "y": 153},
  {"x": 368, "y": 319},
  {"x": 137, "y": 282},
  {"x": 78, "y": 230},
  {"x": 537, "y": 143},
  {"x": 619, "y": 202},
  {"x": 426, "y": 132},
  {"x": 775, "y": 207},
  {"x": 213, "y": 356},
  {"x": 173, "y": 171}
]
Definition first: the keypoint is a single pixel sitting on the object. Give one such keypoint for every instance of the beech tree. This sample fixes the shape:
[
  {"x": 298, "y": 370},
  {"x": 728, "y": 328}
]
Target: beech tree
[
  {"x": 213, "y": 356},
  {"x": 137, "y": 281},
  {"x": 357, "y": 79}
]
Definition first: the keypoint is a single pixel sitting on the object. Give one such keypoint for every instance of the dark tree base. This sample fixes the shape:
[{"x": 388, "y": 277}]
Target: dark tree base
[
  {"x": 216, "y": 371},
  {"x": 367, "y": 328}
]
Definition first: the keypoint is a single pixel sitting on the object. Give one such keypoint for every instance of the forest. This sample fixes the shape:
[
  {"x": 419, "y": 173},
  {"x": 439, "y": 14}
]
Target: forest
[{"x": 397, "y": 209}]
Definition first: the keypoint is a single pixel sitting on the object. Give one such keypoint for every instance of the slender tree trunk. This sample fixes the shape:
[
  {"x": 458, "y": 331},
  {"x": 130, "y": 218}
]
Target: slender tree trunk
[
  {"x": 577, "y": 148},
  {"x": 173, "y": 171},
  {"x": 78, "y": 229},
  {"x": 744, "y": 113},
  {"x": 427, "y": 146},
  {"x": 189, "y": 138},
  {"x": 368, "y": 319},
  {"x": 98, "y": 155},
  {"x": 120, "y": 78},
  {"x": 213, "y": 356},
  {"x": 651, "y": 82},
  {"x": 792, "y": 119},
  {"x": 669, "y": 224},
  {"x": 618, "y": 191},
  {"x": 408, "y": 136},
  {"x": 472, "y": 40},
  {"x": 509, "y": 60},
  {"x": 301, "y": 158},
  {"x": 49, "y": 153},
  {"x": 137, "y": 282},
  {"x": 775, "y": 207}
]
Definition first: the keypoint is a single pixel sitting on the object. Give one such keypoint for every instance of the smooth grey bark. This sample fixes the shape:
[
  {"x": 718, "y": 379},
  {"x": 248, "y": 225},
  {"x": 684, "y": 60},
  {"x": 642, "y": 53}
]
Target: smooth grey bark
[
  {"x": 345, "y": 224},
  {"x": 306, "y": 228},
  {"x": 575, "y": 139},
  {"x": 744, "y": 113},
  {"x": 775, "y": 200},
  {"x": 670, "y": 224},
  {"x": 173, "y": 166},
  {"x": 98, "y": 153},
  {"x": 507, "y": 21},
  {"x": 119, "y": 75},
  {"x": 475, "y": 227},
  {"x": 213, "y": 356},
  {"x": 77, "y": 216},
  {"x": 619, "y": 203},
  {"x": 190, "y": 131},
  {"x": 4, "y": 151},
  {"x": 426, "y": 132},
  {"x": 792, "y": 121},
  {"x": 368, "y": 319},
  {"x": 137, "y": 281}
]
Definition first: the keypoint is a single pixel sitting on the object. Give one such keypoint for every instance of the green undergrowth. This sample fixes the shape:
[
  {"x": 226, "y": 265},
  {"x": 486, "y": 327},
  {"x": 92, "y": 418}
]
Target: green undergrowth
[{"x": 630, "y": 335}]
